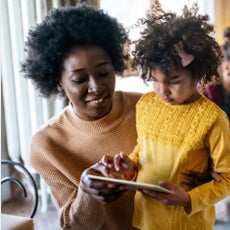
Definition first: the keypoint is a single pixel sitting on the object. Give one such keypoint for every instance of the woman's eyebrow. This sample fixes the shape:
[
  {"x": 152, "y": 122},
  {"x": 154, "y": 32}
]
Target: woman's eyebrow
[
  {"x": 76, "y": 70},
  {"x": 102, "y": 63},
  {"x": 82, "y": 69}
]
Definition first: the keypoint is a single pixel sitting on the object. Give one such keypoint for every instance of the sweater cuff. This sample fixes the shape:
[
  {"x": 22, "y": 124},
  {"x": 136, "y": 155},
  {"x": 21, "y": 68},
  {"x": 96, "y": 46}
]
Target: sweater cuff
[{"x": 86, "y": 212}]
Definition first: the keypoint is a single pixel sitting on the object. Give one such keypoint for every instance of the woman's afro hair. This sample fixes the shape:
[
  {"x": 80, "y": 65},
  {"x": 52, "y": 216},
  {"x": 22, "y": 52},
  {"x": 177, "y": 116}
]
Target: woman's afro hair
[
  {"x": 49, "y": 41},
  {"x": 162, "y": 31}
]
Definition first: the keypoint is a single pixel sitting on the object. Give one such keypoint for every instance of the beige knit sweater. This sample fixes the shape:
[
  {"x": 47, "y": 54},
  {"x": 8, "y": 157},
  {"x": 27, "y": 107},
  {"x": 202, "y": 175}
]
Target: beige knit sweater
[{"x": 66, "y": 145}]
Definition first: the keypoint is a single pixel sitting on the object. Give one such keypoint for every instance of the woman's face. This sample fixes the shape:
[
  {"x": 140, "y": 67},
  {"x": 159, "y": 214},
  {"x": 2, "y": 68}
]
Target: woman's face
[
  {"x": 178, "y": 87},
  {"x": 226, "y": 75},
  {"x": 88, "y": 79}
]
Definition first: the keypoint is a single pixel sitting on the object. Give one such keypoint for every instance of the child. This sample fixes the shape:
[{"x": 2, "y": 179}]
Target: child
[{"x": 177, "y": 127}]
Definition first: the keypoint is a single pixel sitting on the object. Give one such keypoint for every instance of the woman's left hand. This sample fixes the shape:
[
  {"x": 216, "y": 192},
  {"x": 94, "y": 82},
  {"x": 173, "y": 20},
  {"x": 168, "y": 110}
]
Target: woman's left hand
[
  {"x": 178, "y": 197},
  {"x": 101, "y": 191},
  {"x": 194, "y": 179}
]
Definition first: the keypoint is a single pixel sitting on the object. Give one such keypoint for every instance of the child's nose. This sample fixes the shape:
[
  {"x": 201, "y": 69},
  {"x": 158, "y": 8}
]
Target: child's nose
[{"x": 163, "y": 90}]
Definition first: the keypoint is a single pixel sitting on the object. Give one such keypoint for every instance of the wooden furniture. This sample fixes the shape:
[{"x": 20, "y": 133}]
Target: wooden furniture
[{"x": 12, "y": 222}]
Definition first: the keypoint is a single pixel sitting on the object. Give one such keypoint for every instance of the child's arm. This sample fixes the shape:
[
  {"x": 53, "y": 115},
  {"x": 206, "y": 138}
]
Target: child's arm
[{"x": 179, "y": 197}]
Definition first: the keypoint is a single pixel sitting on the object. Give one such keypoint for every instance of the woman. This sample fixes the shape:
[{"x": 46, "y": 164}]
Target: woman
[{"x": 78, "y": 51}]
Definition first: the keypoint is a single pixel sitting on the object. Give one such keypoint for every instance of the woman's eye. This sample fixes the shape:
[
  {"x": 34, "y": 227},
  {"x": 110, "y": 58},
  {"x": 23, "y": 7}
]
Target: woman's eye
[
  {"x": 78, "y": 80},
  {"x": 103, "y": 74}
]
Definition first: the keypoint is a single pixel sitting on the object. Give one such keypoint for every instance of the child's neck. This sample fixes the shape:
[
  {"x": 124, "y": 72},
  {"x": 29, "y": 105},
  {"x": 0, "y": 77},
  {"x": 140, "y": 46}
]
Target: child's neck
[{"x": 195, "y": 97}]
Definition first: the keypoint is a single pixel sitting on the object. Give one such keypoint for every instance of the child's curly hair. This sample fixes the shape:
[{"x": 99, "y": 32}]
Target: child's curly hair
[
  {"x": 163, "y": 31},
  {"x": 63, "y": 29}
]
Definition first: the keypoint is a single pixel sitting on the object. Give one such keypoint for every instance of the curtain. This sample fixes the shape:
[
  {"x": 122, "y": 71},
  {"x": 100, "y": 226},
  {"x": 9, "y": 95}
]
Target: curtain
[
  {"x": 222, "y": 15},
  {"x": 24, "y": 110}
]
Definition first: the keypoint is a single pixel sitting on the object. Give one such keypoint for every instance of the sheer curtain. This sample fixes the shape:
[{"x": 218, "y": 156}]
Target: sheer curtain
[{"x": 23, "y": 111}]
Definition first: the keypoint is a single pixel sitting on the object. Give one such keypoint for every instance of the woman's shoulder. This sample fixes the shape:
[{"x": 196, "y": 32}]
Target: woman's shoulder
[{"x": 52, "y": 127}]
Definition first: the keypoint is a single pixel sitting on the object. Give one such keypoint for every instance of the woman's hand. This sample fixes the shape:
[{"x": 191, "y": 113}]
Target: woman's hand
[
  {"x": 195, "y": 179},
  {"x": 178, "y": 197},
  {"x": 101, "y": 191}
]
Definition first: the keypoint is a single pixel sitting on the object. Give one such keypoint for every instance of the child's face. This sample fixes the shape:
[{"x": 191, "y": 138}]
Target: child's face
[
  {"x": 226, "y": 75},
  {"x": 176, "y": 88}
]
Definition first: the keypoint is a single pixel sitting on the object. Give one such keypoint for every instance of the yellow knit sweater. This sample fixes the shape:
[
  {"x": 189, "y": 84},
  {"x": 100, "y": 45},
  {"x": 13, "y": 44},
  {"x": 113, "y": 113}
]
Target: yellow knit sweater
[
  {"x": 174, "y": 138},
  {"x": 67, "y": 145}
]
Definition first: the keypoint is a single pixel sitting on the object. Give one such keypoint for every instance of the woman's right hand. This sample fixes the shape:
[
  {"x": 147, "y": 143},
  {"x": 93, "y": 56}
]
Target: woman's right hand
[{"x": 101, "y": 191}]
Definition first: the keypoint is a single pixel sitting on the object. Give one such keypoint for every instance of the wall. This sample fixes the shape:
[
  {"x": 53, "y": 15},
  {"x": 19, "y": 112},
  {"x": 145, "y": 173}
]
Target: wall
[{"x": 222, "y": 18}]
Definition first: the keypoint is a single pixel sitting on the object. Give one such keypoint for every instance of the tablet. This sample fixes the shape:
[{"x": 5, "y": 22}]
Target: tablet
[{"x": 132, "y": 185}]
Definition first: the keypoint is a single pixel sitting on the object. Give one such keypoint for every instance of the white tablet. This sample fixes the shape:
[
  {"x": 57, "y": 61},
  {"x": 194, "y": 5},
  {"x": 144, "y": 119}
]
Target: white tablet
[{"x": 132, "y": 185}]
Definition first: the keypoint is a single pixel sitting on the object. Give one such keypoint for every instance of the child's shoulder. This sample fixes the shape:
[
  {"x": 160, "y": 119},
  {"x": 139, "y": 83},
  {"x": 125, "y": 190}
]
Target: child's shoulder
[
  {"x": 210, "y": 109},
  {"x": 148, "y": 96}
]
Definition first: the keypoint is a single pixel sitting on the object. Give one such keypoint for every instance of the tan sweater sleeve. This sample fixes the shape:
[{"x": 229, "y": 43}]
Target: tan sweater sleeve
[
  {"x": 77, "y": 209},
  {"x": 82, "y": 213}
]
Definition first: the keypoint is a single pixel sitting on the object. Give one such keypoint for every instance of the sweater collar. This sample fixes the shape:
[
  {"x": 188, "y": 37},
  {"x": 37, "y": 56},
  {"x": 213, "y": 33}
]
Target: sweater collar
[{"x": 104, "y": 124}]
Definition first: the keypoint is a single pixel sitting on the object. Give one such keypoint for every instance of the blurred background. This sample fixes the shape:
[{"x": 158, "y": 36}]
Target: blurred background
[{"x": 23, "y": 110}]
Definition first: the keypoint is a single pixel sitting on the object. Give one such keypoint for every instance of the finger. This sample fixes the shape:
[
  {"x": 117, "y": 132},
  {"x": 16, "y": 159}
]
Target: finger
[
  {"x": 168, "y": 186},
  {"x": 122, "y": 155},
  {"x": 155, "y": 195},
  {"x": 117, "y": 162},
  {"x": 104, "y": 160},
  {"x": 216, "y": 176},
  {"x": 110, "y": 197},
  {"x": 101, "y": 171},
  {"x": 194, "y": 174},
  {"x": 100, "y": 188},
  {"x": 149, "y": 193},
  {"x": 193, "y": 182},
  {"x": 125, "y": 160}
]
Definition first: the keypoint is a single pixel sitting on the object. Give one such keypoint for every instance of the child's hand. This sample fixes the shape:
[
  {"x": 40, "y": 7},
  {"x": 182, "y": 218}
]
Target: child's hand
[
  {"x": 122, "y": 163},
  {"x": 179, "y": 197},
  {"x": 118, "y": 165}
]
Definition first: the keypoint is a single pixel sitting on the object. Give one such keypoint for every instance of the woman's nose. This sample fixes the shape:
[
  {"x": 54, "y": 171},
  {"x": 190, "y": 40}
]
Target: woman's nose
[{"x": 94, "y": 85}]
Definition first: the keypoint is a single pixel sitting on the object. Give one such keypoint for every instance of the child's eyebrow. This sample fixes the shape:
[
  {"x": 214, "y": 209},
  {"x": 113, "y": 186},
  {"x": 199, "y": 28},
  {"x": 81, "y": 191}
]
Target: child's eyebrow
[{"x": 172, "y": 77}]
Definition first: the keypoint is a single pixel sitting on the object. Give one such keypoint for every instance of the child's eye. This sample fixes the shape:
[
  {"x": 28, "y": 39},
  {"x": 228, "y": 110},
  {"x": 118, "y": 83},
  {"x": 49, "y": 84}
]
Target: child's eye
[
  {"x": 173, "y": 82},
  {"x": 151, "y": 78}
]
